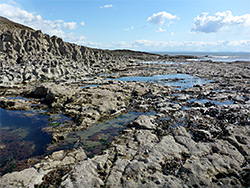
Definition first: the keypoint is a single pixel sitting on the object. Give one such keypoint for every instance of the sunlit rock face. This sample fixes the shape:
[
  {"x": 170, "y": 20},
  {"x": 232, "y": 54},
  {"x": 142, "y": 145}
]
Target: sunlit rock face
[{"x": 176, "y": 123}]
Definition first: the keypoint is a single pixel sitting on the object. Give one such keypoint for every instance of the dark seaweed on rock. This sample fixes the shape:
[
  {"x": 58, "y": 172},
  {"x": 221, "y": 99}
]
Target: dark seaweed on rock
[{"x": 185, "y": 143}]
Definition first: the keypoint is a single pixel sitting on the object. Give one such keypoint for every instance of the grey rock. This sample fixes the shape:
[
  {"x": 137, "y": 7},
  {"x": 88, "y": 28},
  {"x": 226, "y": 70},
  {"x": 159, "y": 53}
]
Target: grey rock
[
  {"x": 205, "y": 145},
  {"x": 26, "y": 178},
  {"x": 83, "y": 175},
  {"x": 144, "y": 122}
]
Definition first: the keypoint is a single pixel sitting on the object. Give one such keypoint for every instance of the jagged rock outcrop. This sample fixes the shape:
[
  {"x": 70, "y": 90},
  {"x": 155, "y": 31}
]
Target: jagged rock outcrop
[
  {"x": 195, "y": 136},
  {"x": 28, "y": 55}
]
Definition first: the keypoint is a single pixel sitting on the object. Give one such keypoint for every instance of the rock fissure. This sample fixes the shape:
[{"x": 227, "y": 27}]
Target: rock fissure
[{"x": 192, "y": 128}]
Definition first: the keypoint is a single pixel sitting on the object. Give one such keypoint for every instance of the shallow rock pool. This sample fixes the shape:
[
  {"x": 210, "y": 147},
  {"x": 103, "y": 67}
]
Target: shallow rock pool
[
  {"x": 22, "y": 137},
  {"x": 180, "y": 81},
  {"x": 99, "y": 135},
  {"x": 88, "y": 86},
  {"x": 164, "y": 62}
]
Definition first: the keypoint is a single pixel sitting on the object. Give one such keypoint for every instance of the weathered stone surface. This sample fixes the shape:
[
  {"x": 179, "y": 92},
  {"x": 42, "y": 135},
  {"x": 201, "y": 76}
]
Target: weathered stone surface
[
  {"x": 84, "y": 174},
  {"x": 34, "y": 176},
  {"x": 144, "y": 122},
  {"x": 202, "y": 142},
  {"x": 26, "y": 178},
  {"x": 34, "y": 56}
]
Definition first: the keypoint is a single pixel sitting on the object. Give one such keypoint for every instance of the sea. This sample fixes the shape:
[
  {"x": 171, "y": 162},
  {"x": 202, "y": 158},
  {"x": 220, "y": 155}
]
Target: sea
[{"x": 214, "y": 56}]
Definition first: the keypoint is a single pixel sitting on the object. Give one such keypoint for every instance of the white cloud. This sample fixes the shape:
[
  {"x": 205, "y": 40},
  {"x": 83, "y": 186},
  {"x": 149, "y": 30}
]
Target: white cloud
[
  {"x": 172, "y": 33},
  {"x": 52, "y": 27},
  {"x": 147, "y": 45},
  {"x": 82, "y": 23},
  {"x": 70, "y": 25},
  {"x": 204, "y": 23},
  {"x": 161, "y": 17},
  {"x": 161, "y": 30},
  {"x": 129, "y": 28},
  {"x": 9, "y": 2},
  {"x": 94, "y": 44},
  {"x": 107, "y": 6},
  {"x": 75, "y": 39}
]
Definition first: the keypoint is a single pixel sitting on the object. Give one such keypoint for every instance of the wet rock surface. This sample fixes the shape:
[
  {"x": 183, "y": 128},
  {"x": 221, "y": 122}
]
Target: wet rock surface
[{"x": 198, "y": 136}]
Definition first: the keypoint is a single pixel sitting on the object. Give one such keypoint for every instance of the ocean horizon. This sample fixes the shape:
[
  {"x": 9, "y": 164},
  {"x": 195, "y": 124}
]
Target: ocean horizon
[{"x": 214, "y": 56}]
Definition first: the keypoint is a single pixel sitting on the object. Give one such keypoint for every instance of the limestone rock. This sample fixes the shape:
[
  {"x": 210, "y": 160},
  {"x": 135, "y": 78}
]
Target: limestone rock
[
  {"x": 144, "y": 122},
  {"x": 84, "y": 174},
  {"x": 26, "y": 178}
]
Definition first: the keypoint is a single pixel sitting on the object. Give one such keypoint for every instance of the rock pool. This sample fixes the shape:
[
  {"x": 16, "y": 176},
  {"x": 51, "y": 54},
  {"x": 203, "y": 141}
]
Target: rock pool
[
  {"x": 164, "y": 62},
  {"x": 180, "y": 81},
  {"x": 21, "y": 135},
  {"x": 87, "y": 86},
  {"x": 96, "y": 137}
]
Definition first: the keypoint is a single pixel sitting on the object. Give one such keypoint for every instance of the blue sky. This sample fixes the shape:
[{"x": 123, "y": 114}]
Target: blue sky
[{"x": 148, "y": 25}]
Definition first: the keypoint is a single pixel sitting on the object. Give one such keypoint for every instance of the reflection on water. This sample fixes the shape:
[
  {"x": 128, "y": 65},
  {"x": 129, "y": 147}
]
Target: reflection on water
[
  {"x": 19, "y": 97},
  {"x": 87, "y": 86},
  {"x": 222, "y": 58},
  {"x": 96, "y": 137},
  {"x": 164, "y": 62},
  {"x": 180, "y": 81},
  {"x": 21, "y": 135},
  {"x": 219, "y": 103}
]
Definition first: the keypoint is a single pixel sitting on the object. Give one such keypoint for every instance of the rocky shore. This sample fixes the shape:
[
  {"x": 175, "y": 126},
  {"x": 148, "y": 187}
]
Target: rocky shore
[{"x": 191, "y": 133}]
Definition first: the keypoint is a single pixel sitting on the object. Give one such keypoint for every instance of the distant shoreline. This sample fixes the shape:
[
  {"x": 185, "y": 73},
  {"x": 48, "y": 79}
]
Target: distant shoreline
[{"x": 214, "y": 56}]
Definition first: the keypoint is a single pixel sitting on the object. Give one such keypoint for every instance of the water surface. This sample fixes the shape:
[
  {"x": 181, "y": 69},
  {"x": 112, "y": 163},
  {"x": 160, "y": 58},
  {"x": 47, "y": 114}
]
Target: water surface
[
  {"x": 98, "y": 136},
  {"x": 180, "y": 81},
  {"x": 164, "y": 62},
  {"x": 90, "y": 85},
  {"x": 214, "y": 56},
  {"x": 219, "y": 103},
  {"x": 22, "y": 135}
]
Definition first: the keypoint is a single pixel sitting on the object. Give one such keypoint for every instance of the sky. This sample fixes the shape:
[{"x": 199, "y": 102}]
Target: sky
[{"x": 145, "y": 25}]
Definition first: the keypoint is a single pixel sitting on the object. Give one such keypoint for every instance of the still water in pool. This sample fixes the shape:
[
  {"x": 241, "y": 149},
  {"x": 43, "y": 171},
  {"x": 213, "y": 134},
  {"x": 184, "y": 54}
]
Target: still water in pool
[
  {"x": 21, "y": 135},
  {"x": 96, "y": 137},
  {"x": 180, "y": 81}
]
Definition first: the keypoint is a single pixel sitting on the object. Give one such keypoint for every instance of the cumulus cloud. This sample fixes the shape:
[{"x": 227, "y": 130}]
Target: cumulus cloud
[
  {"x": 52, "y": 27},
  {"x": 9, "y": 2},
  {"x": 129, "y": 28},
  {"x": 82, "y": 23},
  {"x": 161, "y": 17},
  {"x": 161, "y": 30},
  {"x": 70, "y": 25},
  {"x": 94, "y": 44},
  {"x": 204, "y": 23},
  {"x": 35, "y": 21},
  {"x": 75, "y": 39},
  {"x": 107, "y": 6}
]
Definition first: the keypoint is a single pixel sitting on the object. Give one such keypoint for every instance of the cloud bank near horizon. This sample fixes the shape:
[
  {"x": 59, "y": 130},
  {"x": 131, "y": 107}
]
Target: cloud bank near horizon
[
  {"x": 148, "y": 45},
  {"x": 203, "y": 23}
]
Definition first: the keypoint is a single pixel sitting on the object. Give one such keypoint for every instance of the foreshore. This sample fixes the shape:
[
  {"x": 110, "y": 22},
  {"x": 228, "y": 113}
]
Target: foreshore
[{"x": 190, "y": 129}]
